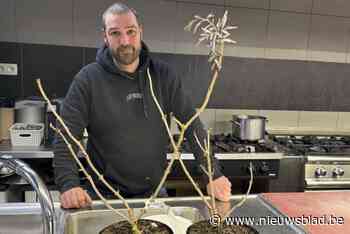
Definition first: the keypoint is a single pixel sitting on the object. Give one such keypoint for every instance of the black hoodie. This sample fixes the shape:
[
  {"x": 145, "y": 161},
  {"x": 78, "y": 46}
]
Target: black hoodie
[{"x": 127, "y": 138}]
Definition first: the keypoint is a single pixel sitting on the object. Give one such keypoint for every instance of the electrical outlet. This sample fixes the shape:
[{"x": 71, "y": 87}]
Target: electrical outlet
[{"x": 9, "y": 69}]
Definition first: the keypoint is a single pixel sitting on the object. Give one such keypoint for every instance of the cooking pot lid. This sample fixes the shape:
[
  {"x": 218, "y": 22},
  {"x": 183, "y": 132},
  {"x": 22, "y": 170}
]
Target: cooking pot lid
[
  {"x": 29, "y": 104},
  {"x": 242, "y": 116}
]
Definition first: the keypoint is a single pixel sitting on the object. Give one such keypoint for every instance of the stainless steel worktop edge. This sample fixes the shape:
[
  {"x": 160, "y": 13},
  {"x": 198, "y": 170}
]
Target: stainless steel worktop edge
[{"x": 24, "y": 152}]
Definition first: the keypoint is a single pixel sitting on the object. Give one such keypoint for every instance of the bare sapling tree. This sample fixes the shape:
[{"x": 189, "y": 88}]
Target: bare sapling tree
[
  {"x": 133, "y": 220},
  {"x": 210, "y": 173},
  {"x": 216, "y": 33}
]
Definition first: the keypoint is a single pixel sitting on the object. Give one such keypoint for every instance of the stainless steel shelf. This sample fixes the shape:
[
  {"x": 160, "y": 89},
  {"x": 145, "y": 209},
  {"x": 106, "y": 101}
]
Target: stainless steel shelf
[{"x": 26, "y": 151}]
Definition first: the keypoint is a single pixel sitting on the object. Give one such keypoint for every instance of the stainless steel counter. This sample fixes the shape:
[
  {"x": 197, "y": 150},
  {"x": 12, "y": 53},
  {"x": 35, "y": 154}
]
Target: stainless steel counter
[
  {"x": 25, "y": 218},
  {"x": 46, "y": 151},
  {"x": 41, "y": 151}
]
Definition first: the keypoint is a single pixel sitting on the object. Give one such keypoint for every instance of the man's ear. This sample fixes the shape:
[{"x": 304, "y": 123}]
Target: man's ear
[
  {"x": 141, "y": 32},
  {"x": 104, "y": 35}
]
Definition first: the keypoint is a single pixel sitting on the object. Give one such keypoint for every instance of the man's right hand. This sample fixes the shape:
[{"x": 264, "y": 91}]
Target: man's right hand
[{"x": 75, "y": 198}]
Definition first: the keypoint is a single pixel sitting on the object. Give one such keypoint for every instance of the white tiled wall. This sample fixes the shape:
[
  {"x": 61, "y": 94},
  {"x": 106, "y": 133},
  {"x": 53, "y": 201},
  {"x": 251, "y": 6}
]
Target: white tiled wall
[
  {"x": 222, "y": 121},
  {"x": 219, "y": 120},
  {"x": 281, "y": 119},
  {"x": 325, "y": 120},
  {"x": 343, "y": 122},
  {"x": 208, "y": 119}
]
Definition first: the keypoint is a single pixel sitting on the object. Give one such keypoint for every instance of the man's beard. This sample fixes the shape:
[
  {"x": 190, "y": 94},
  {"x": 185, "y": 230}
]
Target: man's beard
[{"x": 125, "y": 55}]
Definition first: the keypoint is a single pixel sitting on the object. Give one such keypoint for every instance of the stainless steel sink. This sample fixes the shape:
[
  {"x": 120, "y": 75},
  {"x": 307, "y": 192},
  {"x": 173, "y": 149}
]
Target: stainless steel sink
[
  {"x": 26, "y": 217},
  {"x": 21, "y": 218},
  {"x": 92, "y": 222},
  {"x": 95, "y": 219}
]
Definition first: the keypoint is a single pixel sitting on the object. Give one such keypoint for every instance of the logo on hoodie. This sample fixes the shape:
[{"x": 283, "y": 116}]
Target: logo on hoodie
[{"x": 132, "y": 96}]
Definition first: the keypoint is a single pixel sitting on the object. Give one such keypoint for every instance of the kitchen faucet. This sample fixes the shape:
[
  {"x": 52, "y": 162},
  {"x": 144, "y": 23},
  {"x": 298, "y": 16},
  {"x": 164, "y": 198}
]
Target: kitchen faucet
[{"x": 24, "y": 170}]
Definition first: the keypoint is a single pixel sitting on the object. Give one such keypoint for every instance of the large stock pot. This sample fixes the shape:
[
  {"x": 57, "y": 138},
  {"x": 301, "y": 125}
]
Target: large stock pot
[{"x": 249, "y": 127}]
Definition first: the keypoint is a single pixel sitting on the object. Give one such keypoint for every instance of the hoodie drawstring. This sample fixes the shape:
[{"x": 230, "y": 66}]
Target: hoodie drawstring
[
  {"x": 142, "y": 84},
  {"x": 159, "y": 103}
]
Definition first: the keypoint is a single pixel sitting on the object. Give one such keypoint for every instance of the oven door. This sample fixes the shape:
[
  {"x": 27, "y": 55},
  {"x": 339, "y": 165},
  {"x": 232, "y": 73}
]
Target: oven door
[{"x": 327, "y": 173}]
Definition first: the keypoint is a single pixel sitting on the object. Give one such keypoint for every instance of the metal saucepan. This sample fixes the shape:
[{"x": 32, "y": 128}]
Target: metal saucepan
[{"x": 249, "y": 127}]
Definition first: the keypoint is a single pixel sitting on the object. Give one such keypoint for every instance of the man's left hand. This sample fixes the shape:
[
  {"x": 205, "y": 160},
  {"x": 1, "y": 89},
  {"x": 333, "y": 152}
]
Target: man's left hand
[{"x": 221, "y": 188}]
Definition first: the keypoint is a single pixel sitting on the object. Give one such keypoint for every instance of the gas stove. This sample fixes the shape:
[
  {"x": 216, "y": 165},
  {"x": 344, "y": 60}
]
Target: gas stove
[
  {"x": 315, "y": 145},
  {"x": 231, "y": 146},
  {"x": 235, "y": 156},
  {"x": 327, "y": 164}
]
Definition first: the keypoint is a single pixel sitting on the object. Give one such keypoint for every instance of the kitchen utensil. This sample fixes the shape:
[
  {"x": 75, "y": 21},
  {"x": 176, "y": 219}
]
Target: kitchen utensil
[
  {"x": 32, "y": 111},
  {"x": 28, "y": 111},
  {"x": 249, "y": 127}
]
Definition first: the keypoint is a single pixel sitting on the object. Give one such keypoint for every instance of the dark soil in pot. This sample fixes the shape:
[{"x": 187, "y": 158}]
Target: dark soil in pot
[
  {"x": 204, "y": 227},
  {"x": 147, "y": 227}
]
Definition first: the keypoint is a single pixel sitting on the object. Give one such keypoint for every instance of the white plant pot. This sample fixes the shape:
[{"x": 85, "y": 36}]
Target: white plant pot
[{"x": 176, "y": 223}]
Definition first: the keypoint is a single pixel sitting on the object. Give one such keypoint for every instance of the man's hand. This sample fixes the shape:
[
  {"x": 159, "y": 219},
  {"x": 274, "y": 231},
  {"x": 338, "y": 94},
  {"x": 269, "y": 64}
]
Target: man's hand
[
  {"x": 75, "y": 198},
  {"x": 222, "y": 188}
]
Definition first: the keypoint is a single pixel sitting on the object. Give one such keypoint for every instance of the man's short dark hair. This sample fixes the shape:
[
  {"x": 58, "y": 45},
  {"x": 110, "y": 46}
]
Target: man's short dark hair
[{"x": 118, "y": 9}]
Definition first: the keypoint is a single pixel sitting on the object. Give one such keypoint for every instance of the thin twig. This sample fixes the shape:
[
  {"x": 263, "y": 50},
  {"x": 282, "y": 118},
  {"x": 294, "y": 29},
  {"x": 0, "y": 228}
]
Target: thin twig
[
  {"x": 210, "y": 172},
  {"x": 176, "y": 147},
  {"x": 86, "y": 173},
  {"x": 175, "y": 154},
  {"x": 198, "y": 142},
  {"x": 240, "y": 203},
  {"x": 86, "y": 156},
  {"x": 177, "y": 121}
]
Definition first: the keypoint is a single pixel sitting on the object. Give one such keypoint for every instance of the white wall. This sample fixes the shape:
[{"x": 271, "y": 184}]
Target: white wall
[{"x": 280, "y": 122}]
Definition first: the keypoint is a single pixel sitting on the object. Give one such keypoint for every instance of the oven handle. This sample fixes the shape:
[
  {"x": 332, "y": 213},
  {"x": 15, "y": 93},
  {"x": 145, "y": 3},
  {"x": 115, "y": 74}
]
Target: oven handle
[
  {"x": 311, "y": 183},
  {"x": 316, "y": 159},
  {"x": 325, "y": 190}
]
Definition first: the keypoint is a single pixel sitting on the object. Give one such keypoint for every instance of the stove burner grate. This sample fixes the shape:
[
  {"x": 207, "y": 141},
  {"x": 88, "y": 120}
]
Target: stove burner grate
[
  {"x": 229, "y": 143},
  {"x": 309, "y": 145}
]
